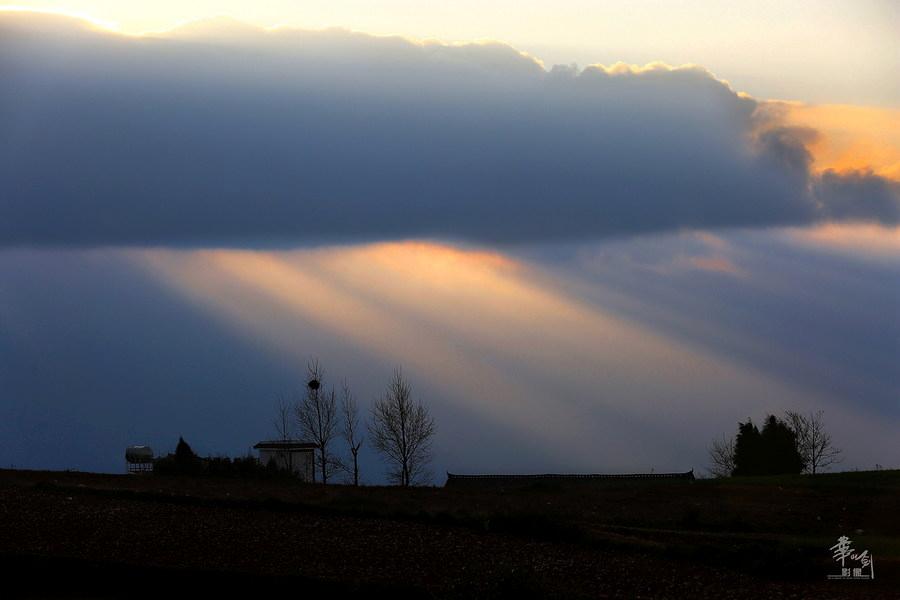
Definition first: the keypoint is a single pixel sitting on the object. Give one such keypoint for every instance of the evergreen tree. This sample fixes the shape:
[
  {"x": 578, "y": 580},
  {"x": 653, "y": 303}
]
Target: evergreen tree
[
  {"x": 747, "y": 446},
  {"x": 773, "y": 451},
  {"x": 186, "y": 461},
  {"x": 779, "y": 442},
  {"x": 183, "y": 451}
]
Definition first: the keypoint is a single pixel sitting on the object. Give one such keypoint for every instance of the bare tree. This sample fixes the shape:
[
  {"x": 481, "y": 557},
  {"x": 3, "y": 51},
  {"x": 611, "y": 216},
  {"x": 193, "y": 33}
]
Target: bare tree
[
  {"x": 317, "y": 418},
  {"x": 813, "y": 442},
  {"x": 284, "y": 419},
  {"x": 402, "y": 431},
  {"x": 721, "y": 457},
  {"x": 351, "y": 427}
]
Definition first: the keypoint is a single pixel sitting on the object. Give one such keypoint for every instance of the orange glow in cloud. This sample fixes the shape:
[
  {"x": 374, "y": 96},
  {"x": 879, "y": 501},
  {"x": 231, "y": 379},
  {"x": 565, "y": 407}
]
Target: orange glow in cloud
[
  {"x": 275, "y": 297},
  {"x": 715, "y": 264},
  {"x": 493, "y": 338},
  {"x": 851, "y": 137},
  {"x": 464, "y": 320},
  {"x": 861, "y": 239}
]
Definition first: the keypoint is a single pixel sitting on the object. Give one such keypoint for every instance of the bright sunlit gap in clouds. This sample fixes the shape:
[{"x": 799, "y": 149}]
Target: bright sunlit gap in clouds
[
  {"x": 851, "y": 137},
  {"x": 109, "y": 25},
  {"x": 505, "y": 340}
]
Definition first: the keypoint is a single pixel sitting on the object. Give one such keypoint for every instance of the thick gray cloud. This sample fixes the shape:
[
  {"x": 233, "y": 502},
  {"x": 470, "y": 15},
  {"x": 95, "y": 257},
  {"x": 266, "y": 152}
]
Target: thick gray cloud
[
  {"x": 287, "y": 137},
  {"x": 859, "y": 196}
]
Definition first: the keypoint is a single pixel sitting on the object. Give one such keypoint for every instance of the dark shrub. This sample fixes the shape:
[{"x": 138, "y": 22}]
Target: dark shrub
[
  {"x": 185, "y": 462},
  {"x": 770, "y": 452}
]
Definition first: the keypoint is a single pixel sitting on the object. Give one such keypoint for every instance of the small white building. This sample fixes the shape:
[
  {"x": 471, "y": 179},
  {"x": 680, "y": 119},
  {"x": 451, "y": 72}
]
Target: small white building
[
  {"x": 138, "y": 459},
  {"x": 293, "y": 455}
]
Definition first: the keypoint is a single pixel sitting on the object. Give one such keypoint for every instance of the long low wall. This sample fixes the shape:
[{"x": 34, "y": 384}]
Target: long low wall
[{"x": 454, "y": 479}]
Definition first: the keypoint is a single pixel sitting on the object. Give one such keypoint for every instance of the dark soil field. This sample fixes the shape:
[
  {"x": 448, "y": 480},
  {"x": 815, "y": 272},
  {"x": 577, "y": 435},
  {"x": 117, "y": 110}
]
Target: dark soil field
[{"x": 70, "y": 534}]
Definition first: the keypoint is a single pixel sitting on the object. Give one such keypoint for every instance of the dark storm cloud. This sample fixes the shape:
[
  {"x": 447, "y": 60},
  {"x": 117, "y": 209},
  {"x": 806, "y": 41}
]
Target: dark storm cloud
[
  {"x": 293, "y": 137},
  {"x": 859, "y": 195}
]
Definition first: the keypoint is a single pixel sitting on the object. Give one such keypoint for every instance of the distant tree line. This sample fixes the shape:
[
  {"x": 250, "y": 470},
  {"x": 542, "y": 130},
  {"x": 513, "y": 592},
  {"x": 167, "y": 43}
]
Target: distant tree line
[{"x": 796, "y": 444}]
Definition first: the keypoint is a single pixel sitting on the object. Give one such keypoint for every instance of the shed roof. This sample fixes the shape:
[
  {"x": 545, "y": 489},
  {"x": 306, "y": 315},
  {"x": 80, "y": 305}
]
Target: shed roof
[
  {"x": 286, "y": 445},
  {"x": 139, "y": 454}
]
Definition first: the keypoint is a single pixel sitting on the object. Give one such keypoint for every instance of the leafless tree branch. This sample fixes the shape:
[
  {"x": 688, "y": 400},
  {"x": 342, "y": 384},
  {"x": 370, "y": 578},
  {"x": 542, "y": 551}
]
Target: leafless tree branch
[
  {"x": 351, "y": 428},
  {"x": 317, "y": 419},
  {"x": 284, "y": 419},
  {"x": 721, "y": 456},
  {"x": 813, "y": 441},
  {"x": 402, "y": 430}
]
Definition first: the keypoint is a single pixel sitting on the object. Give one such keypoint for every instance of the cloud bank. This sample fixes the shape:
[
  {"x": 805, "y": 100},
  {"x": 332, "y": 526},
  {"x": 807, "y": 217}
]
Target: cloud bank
[{"x": 284, "y": 136}]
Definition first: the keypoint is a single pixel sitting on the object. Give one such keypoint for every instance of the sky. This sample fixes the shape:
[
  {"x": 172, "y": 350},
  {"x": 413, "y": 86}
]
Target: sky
[
  {"x": 822, "y": 51},
  {"x": 591, "y": 267}
]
